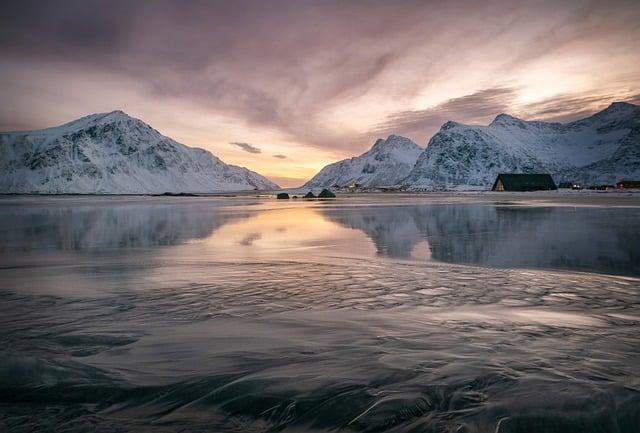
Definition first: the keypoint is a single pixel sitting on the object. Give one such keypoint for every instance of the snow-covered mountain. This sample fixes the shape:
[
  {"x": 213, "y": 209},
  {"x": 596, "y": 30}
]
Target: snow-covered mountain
[
  {"x": 385, "y": 164},
  {"x": 113, "y": 153},
  {"x": 602, "y": 148}
]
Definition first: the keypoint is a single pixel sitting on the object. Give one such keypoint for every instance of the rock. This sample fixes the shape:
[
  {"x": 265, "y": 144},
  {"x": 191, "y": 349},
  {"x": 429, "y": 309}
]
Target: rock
[
  {"x": 178, "y": 194},
  {"x": 283, "y": 196},
  {"x": 325, "y": 193},
  {"x": 309, "y": 195}
]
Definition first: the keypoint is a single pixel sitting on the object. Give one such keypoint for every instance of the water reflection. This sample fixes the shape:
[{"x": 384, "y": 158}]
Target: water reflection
[
  {"x": 300, "y": 233},
  {"x": 64, "y": 227},
  {"x": 587, "y": 239}
]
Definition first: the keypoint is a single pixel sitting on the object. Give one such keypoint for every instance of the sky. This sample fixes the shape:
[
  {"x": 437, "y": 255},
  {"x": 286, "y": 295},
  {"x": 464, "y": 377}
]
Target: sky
[{"x": 286, "y": 87}]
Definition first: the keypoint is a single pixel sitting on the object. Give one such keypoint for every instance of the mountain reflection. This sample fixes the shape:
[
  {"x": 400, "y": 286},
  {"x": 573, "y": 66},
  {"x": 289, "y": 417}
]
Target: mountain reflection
[
  {"x": 122, "y": 225},
  {"x": 601, "y": 240},
  {"x": 585, "y": 239},
  {"x": 393, "y": 230}
]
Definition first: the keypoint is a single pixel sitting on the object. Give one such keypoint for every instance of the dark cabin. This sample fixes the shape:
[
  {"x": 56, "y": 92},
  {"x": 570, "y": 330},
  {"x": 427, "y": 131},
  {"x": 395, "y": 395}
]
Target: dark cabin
[
  {"x": 628, "y": 184},
  {"x": 523, "y": 182}
]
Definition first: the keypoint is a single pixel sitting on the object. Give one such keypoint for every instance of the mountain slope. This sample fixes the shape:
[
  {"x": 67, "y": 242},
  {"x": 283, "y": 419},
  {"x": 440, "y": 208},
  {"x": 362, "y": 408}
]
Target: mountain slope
[
  {"x": 386, "y": 163},
  {"x": 113, "y": 153},
  {"x": 602, "y": 148}
]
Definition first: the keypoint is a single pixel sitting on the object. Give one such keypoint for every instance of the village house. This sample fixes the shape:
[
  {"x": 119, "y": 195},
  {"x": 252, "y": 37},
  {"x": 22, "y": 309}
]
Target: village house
[{"x": 523, "y": 182}]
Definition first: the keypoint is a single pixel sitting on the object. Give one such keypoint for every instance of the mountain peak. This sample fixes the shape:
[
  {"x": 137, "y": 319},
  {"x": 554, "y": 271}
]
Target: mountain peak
[
  {"x": 448, "y": 125},
  {"x": 391, "y": 141},
  {"x": 615, "y": 112},
  {"x": 505, "y": 119},
  {"x": 114, "y": 116},
  {"x": 98, "y": 118},
  {"x": 117, "y": 113},
  {"x": 620, "y": 106}
]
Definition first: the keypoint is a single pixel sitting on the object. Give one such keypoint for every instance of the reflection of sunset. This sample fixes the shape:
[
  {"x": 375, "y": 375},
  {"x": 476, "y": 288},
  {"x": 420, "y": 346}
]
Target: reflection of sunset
[{"x": 283, "y": 231}]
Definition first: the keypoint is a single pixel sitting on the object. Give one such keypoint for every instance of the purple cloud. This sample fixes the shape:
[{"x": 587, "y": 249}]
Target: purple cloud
[
  {"x": 281, "y": 65},
  {"x": 250, "y": 148}
]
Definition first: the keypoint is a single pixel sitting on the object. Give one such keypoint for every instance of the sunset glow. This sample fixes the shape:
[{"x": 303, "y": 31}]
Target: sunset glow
[{"x": 307, "y": 83}]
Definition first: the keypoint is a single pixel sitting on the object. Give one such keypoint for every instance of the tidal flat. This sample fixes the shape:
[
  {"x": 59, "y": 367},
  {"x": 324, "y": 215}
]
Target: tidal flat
[{"x": 442, "y": 312}]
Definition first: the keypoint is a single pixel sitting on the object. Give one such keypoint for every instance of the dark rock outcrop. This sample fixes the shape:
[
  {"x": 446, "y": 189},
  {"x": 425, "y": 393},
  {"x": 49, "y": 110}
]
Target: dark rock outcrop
[{"x": 325, "y": 193}]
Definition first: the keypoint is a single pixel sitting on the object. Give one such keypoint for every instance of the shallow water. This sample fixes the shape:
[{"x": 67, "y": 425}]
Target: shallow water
[{"x": 375, "y": 314}]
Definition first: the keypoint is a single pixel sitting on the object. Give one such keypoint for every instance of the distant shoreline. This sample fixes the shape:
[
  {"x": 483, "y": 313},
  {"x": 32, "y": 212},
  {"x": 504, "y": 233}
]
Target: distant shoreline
[
  {"x": 563, "y": 192},
  {"x": 584, "y": 198}
]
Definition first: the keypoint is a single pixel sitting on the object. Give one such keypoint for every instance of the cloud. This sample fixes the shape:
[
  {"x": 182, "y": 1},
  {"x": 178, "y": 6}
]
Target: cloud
[
  {"x": 482, "y": 106},
  {"x": 246, "y": 147},
  {"x": 478, "y": 107},
  {"x": 280, "y": 156},
  {"x": 249, "y": 239},
  {"x": 568, "y": 107},
  {"x": 284, "y": 66}
]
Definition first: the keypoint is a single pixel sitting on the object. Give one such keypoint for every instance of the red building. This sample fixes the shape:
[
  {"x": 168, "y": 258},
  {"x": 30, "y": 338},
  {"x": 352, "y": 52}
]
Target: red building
[{"x": 628, "y": 184}]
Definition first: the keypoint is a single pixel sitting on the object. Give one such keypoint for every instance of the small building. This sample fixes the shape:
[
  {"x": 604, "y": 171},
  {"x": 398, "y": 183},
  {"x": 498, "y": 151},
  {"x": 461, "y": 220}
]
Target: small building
[
  {"x": 354, "y": 187},
  {"x": 628, "y": 184},
  {"x": 523, "y": 182}
]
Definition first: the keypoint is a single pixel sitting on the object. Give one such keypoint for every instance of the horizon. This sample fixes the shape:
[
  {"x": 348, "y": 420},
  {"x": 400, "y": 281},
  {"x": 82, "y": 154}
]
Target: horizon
[{"x": 285, "y": 103}]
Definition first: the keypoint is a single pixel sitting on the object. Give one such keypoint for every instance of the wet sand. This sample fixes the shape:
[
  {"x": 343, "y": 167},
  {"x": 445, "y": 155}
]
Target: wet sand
[{"x": 378, "y": 312}]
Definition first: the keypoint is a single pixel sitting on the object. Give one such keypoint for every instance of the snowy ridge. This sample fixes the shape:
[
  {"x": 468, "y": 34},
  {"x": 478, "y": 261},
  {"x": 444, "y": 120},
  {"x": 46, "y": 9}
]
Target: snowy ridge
[
  {"x": 387, "y": 163},
  {"x": 602, "y": 148},
  {"x": 113, "y": 153}
]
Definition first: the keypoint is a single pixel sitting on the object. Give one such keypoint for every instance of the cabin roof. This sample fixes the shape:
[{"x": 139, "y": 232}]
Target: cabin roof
[{"x": 525, "y": 182}]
